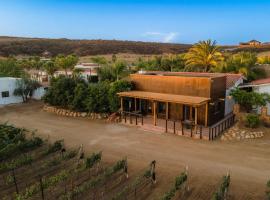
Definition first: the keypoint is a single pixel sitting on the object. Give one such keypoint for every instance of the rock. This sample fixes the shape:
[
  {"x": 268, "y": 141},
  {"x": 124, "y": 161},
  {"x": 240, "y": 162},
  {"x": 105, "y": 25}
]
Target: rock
[{"x": 84, "y": 114}]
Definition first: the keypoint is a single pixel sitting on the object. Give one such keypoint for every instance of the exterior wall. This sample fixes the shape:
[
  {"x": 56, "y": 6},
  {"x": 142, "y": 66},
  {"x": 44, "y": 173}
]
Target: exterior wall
[
  {"x": 263, "y": 89},
  {"x": 8, "y": 84},
  {"x": 191, "y": 86},
  {"x": 229, "y": 102},
  {"x": 39, "y": 93},
  {"x": 210, "y": 87}
]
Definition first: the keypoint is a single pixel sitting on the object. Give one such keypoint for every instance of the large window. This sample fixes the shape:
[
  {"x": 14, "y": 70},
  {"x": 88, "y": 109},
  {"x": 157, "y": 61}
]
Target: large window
[{"x": 5, "y": 94}]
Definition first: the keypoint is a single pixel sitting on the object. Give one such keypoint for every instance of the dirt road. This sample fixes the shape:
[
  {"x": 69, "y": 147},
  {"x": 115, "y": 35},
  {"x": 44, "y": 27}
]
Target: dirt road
[{"x": 248, "y": 161}]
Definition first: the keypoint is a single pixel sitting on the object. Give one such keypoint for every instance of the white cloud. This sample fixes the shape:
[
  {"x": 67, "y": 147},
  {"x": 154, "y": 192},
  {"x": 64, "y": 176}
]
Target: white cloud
[{"x": 161, "y": 37}]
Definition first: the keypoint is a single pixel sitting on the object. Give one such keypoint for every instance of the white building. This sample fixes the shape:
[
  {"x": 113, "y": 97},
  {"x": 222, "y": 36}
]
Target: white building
[
  {"x": 7, "y": 87},
  {"x": 260, "y": 86},
  {"x": 88, "y": 70},
  {"x": 232, "y": 81}
]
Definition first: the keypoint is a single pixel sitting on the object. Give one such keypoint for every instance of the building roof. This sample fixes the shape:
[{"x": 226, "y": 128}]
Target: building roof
[
  {"x": 163, "y": 97},
  {"x": 231, "y": 79},
  {"x": 261, "y": 81}
]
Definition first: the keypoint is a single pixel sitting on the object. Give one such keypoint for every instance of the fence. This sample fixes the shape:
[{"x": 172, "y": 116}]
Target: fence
[{"x": 218, "y": 128}]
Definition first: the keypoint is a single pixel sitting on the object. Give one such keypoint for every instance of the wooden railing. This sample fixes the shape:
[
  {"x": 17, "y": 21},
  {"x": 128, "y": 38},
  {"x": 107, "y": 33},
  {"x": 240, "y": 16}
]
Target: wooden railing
[
  {"x": 125, "y": 114},
  {"x": 218, "y": 128}
]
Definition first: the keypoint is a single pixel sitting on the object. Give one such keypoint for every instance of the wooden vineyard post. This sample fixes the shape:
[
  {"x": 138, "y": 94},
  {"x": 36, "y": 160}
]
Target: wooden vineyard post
[
  {"x": 153, "y": 171},
  {"x": 80, "y": 155},
  {"x": 15, "y": 181},
  {"x": 41, "y": 187},
  {"x": 126, "y": 168},
  {"x": 187, "y": 185}
]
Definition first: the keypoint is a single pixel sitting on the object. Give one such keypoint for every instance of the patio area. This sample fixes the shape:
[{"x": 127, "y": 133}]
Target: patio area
[{"x": 179, "y": 128}]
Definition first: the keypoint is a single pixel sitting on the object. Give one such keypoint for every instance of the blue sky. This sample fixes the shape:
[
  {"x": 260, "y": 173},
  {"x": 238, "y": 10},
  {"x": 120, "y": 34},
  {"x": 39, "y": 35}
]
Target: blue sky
[{"x": 177, "y": 21}]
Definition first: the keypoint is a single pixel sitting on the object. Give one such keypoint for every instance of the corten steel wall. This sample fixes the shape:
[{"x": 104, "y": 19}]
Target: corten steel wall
[
  {"x": 210, "y": 87},
  {"x": 191, "y": 86}
]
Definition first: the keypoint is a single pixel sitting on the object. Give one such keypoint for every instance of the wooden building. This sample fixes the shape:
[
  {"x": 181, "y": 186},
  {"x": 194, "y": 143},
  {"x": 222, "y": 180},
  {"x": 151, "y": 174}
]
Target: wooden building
[{"x": 186, "y": 97}]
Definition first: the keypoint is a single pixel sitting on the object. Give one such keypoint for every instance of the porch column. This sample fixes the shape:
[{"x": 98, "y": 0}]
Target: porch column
[
  {"x": 121, "y": 102},
  {"x": 196, "y": 119},
  {"x": 190, "y": 113},
  {"x": 206, "y": 115},
  {"x": 155, "y": 112},
  {"x": 167, "y": 110},
  {"x": 135, "y": 109}
]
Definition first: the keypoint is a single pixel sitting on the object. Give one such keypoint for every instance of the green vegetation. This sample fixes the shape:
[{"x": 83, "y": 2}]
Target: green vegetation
[
  {"x": 93, "y": 159},
  {"x": 179, "y": 181},
  {"x": 250, "y": 100},
  {"x": 205, "y": 55},
  {"x": 10, "y": 68},
  {"x": 268, "y": 190},
  {"x": 13, "y": 141},
  {"x": 46, "y": 183},
  {"x": 252, "y": 120},
  {"x": 92, "y": 183},
  {"x": 25, "y": 88},
  {"x": 222, "y": 190},
  {"x": 85, "y": 97}
]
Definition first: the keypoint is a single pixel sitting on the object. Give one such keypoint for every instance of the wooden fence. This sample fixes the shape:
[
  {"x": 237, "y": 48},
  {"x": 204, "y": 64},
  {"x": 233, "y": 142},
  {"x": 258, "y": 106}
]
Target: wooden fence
[{"x": 218, "y": 128}]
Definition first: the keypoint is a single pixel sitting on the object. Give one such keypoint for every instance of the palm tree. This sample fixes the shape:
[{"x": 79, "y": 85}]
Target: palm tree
[
  {"x": 66, "y": 62},
  {"x": 204, "y": 54},
  {"x": 50, "y": 68}
]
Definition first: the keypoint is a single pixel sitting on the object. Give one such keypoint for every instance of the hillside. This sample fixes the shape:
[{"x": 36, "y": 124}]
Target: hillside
[{"x": 36, "y": 46}]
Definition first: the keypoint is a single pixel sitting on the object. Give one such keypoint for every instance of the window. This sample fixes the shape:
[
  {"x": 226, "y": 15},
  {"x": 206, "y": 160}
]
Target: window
[
  {"x": 5, "y": 94},
  {"x": 217, "y": 107}
]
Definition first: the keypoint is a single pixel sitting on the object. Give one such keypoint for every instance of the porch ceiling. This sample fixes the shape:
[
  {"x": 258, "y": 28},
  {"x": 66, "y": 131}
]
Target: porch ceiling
[{"x": 163, "y": 97}]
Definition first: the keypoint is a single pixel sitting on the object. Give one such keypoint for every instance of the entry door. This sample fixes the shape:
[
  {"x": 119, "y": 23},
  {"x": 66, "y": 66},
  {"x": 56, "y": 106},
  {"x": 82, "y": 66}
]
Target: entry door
[{"x": 186, "y": 113}]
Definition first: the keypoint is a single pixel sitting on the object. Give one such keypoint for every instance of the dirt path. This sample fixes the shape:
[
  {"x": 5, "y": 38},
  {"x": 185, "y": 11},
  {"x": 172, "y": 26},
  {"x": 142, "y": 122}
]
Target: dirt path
[{"x": 248, "y": 162}]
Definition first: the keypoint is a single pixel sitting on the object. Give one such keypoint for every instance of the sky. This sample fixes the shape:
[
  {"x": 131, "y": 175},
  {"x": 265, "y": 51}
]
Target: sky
[{"x": 173, "y": 21}]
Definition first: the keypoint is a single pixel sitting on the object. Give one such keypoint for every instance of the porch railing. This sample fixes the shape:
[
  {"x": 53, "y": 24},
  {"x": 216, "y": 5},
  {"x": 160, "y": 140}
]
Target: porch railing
[
  {"x": 218, "y": 128},
  {"x": 136, "y": 115}
]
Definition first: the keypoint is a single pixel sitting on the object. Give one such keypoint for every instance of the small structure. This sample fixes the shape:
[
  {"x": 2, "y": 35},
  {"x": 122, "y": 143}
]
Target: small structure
[
  {"x": 7, "y": 87},
  {"x": 260, "y": 86},
  {"x": 88, "y": 70},
  {"x": 196, "y": 101},
  {"x": 251, "y": 43}
]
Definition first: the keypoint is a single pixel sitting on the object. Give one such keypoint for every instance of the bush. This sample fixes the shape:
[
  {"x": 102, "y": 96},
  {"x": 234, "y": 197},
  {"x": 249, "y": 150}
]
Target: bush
[
  {"x": 248, "y": 100},
  {"x": 252, "y": 120},
  {"x": 118, "y": 86}
]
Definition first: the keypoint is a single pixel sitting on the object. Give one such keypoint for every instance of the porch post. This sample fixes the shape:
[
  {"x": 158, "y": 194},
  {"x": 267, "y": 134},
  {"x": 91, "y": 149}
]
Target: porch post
[
  {"x": 121, "y": 102},
  {"x": 196, "y": 119},
  {"x": 155, "y": 112},
  {"x": 206, "y": 115},
  {"x": 135, "y": 99},
  {"x": 167, "y": 110},
  {"x": 190, "y": 113}
]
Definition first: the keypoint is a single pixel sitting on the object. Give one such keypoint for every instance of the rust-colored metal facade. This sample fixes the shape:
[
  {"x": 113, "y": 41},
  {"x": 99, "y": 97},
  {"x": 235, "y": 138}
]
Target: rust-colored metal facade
[{"x": 208, "y": 86}]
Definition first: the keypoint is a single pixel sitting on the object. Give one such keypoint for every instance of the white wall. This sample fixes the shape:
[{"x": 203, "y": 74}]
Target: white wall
[
  {"x": 263, "y": 89},
  {"x": 39, "y": 93},
  {"x": 8, "y": 84},
  {"x": 229, "y": 102}
]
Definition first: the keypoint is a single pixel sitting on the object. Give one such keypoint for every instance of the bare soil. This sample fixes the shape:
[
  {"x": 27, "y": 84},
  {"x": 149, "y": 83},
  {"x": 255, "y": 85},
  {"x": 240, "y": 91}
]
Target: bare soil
[{"x": 247, "y": 161}]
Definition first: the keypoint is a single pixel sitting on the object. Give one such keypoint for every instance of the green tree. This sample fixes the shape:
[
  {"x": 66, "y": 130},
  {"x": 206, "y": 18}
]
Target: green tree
[
  {"x": 205, "y": 55},
  {"x": 50, "y": 68},
  {"x": 61, "y": 91},
  {"x": 97, "y": 98},
  {"x": 118, "y": 86},
  {"x": 25, "y": 88},
  {"x": 66, "y": 62},
  {"x": 99, "y": 60},
  {"x": 10, "y": 68},
  {"x": 249, "y": 100},
  {"x": 80, "y": 94},
  {"x": 119, "y": 69}
]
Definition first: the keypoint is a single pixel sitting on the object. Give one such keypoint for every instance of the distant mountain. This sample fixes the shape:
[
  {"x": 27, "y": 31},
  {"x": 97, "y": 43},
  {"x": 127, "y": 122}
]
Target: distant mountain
[{"x": 37, "y": 46}]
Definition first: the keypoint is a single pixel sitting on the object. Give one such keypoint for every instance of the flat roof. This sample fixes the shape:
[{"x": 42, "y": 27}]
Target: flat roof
[
  {"x": 163, "y": 97},
  {"x": 187, "y": 74}
]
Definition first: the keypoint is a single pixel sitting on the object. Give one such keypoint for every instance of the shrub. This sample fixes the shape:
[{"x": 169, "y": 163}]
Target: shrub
[
  {"x": 97, "y": 98},
  {"x": 248, "y": 100},
  {"x": 252, "y": 120},
  {"x": 118, "y": 86}
]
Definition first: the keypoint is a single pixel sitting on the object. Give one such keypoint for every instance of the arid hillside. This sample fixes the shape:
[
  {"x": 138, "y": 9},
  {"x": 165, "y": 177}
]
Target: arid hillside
[{"x": 36, "y": 46}]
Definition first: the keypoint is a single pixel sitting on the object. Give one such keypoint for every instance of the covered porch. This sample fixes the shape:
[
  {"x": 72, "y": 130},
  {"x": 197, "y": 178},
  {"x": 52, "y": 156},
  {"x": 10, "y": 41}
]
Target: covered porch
[{"x": 179, "y": 114}]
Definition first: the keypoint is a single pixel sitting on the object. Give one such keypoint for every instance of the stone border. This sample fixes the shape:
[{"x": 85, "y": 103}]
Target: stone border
[{"x": 70, "y": 113}]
